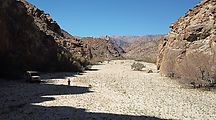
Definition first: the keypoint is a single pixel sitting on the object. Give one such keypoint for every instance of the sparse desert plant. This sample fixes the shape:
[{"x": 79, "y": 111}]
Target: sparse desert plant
[
  {"x": 196, "y": 85},
  {"x": 214, "y": 78},
  {"x": 171, "y": 74},
  {"x": 207, "y": 79},
  {"x": 198, "y": 70},
  {"x": 137, "y": 66}
]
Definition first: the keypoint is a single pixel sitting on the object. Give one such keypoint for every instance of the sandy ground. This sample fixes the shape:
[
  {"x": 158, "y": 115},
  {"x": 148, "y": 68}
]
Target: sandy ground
[{"x": 109, "y": 91}]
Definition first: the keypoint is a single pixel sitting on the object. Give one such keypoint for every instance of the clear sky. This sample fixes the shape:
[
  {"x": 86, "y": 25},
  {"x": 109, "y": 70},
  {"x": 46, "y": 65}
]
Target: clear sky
[{"x": 115, "y": 17}]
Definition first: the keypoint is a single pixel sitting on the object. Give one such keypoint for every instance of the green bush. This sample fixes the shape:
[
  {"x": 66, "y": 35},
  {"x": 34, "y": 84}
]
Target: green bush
[
  {"x": 137, "y": 66},
  {"x": 84, "y": 62},
  {"x": 67, "y": 62}
]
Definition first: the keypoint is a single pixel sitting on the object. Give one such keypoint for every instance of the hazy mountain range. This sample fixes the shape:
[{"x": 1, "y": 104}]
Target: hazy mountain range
[{"x": 123, "y": 40}]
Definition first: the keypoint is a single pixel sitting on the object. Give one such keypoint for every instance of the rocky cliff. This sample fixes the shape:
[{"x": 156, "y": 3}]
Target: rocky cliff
[
  {"x": 189, "y": 50},
  {"x": 31, "y": 40}
]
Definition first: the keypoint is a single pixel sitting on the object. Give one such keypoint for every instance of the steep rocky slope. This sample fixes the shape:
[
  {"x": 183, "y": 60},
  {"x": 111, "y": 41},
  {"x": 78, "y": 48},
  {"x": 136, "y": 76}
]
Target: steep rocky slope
[
  {"x": 23, "y": 44},
  {"x": 87, "y": 48},
  {"x": 140, "y": 50},
  {"x": 123, "y": 40},
  {"x": 188, "y": 51},
  {"x": 31, "y": 40}
]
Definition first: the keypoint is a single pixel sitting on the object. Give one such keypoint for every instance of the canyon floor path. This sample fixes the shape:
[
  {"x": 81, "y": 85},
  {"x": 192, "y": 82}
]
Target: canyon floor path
[{"x": 110, "y": 90}]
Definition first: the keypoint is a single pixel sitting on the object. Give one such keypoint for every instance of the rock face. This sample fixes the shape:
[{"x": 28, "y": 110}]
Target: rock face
[
  {"x": 23, "y": 44},
  {"x": 100, "y": 49},
  {"x": 189, "y": 50},
  {"x": 45, "y": 23},
  {"x": 140, "y": 50},
  {"x": 31, "y": 40},
  {"x": 123, "y": 40}
]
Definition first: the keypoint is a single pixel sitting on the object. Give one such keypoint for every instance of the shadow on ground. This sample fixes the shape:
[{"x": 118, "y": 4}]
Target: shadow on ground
[
  {"x": 18, "y": 100},
  {"x": 64, "y": 75},
  {"x": 92, "y": 69}
]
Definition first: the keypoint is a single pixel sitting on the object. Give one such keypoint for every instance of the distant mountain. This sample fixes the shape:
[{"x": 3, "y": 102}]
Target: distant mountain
[
  {"x": 123, "y": 40},
  {"x": 137, "y": 47}
]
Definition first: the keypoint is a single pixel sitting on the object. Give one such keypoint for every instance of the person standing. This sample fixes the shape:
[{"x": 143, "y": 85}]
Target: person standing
[{"x": 69, "y": 81}]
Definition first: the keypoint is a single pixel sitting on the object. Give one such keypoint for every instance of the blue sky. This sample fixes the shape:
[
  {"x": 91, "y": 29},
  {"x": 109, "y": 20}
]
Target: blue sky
[{"x": 115, "y": 17}]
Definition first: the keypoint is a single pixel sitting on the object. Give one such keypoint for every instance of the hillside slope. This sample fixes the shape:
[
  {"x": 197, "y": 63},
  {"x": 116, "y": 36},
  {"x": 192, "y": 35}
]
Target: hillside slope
[
  {"x": 101, "y": 49},
  {"x": 140, "y": 50}
]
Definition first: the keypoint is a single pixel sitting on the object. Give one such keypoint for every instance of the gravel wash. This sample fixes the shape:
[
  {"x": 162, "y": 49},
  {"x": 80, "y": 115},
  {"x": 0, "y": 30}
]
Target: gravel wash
[{"x": 109, "y": 91}]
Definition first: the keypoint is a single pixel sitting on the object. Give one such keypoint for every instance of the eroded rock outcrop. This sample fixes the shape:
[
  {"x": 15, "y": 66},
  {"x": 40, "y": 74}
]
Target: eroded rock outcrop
[
  {"x": 31, "y": 40},
  {"x": 189, "y": 50}
]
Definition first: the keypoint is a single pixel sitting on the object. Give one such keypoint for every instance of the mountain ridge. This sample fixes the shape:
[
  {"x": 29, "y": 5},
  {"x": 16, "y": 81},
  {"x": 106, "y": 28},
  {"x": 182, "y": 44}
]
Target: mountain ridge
[{"x": 123, "y": 40}]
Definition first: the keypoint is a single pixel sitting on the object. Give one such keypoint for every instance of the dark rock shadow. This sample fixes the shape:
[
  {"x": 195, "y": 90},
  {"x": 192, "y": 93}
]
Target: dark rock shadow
[
  {"x": 92, "y": 69},
  {"x": 64, "y": 75},
  {"x": 18, "y": 98},
  {"x": 58, "y": 75}
]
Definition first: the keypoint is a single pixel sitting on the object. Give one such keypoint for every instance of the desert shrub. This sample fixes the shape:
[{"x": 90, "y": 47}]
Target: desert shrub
[
  {"x": 214, "y": 78},
  {"x": 171, "y": 74},
  {"x": 137, "y": 66},
  {"x": 84, "y": 62},
  {"x": 212, "y": 81},
  {"x": 67, "y": 62},
  {"x": 205, "y": 78}
]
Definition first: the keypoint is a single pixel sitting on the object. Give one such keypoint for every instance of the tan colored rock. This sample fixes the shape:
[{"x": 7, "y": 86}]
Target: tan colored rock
[
  {"x": 141, "y": 50},
  {"x": 150, "y": 71},
  {"x": 190, "y": 47},
  {"x": 99, "y": 49}
]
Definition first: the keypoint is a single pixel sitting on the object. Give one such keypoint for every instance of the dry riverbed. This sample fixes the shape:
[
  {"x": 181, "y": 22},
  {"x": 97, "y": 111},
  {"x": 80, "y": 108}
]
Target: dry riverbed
[{"x": 107, "y": 91}]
